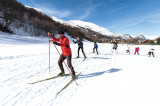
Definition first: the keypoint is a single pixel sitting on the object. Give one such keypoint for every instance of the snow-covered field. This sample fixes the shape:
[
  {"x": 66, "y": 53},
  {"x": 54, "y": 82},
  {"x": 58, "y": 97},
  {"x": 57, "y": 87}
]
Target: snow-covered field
[{"x": 108, "y": 79}]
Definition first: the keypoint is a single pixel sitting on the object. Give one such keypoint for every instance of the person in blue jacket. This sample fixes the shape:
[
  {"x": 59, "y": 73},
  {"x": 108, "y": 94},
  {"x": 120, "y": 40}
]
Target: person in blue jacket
[
  {"x": 95, "y": 47},
  {"x": 80, "y": 46}
]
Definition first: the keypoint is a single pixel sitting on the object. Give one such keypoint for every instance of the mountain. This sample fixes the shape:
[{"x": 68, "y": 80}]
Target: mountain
[
  {"x": 91, "y": 26},
  {"x": 33, "y": 22},
  {"x": 86, "y": 25},
  {"x": 141, "y": 37},
  {"x": 124, "y": 36}
]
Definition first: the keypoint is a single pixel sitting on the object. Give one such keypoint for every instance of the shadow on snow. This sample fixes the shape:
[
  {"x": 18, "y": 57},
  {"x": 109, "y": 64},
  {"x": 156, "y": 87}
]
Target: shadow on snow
[
  {"x": 112, "y": 70},
  {"x": 99, "y": 58}
]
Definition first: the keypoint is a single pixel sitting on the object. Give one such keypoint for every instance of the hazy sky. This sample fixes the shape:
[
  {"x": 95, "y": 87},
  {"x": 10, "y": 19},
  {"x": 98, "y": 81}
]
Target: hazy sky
[{"x": 120, "y": 16}]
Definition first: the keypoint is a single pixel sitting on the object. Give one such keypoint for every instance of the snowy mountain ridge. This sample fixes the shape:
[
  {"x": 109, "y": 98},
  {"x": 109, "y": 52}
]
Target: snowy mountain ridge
[
  {"x": 141, "y": 37},
  {"x": 94, "y": 27},
  {"x": 99, "y": 29},
  {"x": 87, "y": 25}
]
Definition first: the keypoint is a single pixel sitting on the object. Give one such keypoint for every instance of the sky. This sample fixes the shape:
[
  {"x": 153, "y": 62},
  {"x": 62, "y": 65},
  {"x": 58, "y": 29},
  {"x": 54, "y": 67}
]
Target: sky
[{"x": 132, "y": 17}]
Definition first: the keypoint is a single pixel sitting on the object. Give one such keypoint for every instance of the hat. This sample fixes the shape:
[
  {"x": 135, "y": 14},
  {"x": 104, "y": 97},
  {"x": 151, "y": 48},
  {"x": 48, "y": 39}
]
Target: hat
[{"x": 60, "y": 32}]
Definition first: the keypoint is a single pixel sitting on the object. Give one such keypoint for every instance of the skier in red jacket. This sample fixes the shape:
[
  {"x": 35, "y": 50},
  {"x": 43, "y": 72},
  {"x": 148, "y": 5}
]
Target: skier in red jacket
[{"x": 66, "y": 52}]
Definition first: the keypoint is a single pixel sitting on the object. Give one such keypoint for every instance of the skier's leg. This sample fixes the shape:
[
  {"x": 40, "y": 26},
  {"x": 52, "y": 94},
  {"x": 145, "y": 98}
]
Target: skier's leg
[
  {"x": 149, "y": 54},
  {"x": 78, "y": 52},
  {"x": 93, "y": 49},
  {"x": 152, "y": 54},
  {"x": 83, "y": 52},
  {"x": 96, "y": 50},
  {"x": 135, "y": 52},
  {"x": 60, "y": 61},
  {"x": 69, "y": 63}
]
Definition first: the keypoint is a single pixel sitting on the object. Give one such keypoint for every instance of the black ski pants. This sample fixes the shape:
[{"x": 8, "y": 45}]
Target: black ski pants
[
  {"x": 69, "y": 63},
  {"x": 94, "y": 50},
  {"x": 151, "y": 53},
  {"x": 82, "y": 51}
]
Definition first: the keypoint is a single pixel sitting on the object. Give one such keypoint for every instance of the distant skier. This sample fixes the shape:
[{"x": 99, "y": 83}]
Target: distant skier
[
  {"x": 137, "y": 50},
  {"x": 151, "y": 52},
  {"x": 80, "y": 46},
  {"x": 95, "y": 47},
  {"x": 128, "y": 49},
  {"x": 115, "y": 46},
  {"x": 66, "y": 52}
]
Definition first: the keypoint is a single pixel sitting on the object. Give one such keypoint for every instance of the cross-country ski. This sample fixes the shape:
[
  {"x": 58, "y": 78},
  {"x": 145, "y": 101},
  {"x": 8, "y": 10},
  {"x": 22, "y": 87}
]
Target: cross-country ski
[{"x": 49, "y": 78}]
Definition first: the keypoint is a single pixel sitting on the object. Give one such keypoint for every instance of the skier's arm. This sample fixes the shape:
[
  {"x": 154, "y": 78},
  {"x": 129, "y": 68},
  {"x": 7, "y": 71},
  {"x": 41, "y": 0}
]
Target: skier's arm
[
  {"x": 49, "y": 34},
  {"x": 57, "y": 40},
  {"x": 74, "y": 41},
  {"x": 64, "y": 42},
  {"x": 56, "y": 43}
]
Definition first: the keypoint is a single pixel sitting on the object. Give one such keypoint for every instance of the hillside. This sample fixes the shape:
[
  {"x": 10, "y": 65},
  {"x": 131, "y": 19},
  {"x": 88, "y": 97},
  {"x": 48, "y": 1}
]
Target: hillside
[
  {"x": 23, "y": 20},
  {"x": 29, "y": 21},
  {"x": 32, "y": 22}
]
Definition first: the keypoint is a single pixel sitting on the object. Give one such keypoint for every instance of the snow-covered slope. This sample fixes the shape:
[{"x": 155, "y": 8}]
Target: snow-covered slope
[
  {"x": 141, "y": 37},
  {"x": 108, "y": 79},
  {"x": 94, "y": 27},
  {"x": 99, "y": 29},
  {"x": 87, "y": 25},
  {"x": 124, "y": 36},
  {"x": 152, "y": 37}
]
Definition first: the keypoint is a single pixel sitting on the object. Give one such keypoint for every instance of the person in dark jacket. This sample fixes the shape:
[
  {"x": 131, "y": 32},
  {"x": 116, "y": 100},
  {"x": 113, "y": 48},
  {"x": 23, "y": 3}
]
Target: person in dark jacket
[
  {"x": 66, "y": 52},
  {"x": 115, "y": 45},
  {"x": 80, "y": 46},
  {"x": 95, "y": 47},
  {"x": 151, "y": 52}
]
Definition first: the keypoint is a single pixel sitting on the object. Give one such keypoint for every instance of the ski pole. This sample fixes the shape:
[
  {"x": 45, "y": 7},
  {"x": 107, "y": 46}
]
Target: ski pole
[
  {"x": 64, "y": 62},
  {"x": 49, "y": 53}
]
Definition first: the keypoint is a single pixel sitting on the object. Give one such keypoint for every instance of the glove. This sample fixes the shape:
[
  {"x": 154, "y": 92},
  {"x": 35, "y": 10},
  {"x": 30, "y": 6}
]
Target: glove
[
  {"x": 49, "y": 34},
  {"x": 52, "y": 41}
]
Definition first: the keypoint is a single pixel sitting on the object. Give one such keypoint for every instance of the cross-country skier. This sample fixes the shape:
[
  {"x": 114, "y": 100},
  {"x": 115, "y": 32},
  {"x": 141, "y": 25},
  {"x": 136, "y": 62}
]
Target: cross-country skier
[
  {"x": 95, "y": 47},
  {"x": 137, "y": 50},
  {"x": 115, "y": 46},
  {"x": 66, "y": 52},
  {"x": 151, "y": 52},
  {"x": 80, "y": 46},
  {"x": 128, "y": 49}
]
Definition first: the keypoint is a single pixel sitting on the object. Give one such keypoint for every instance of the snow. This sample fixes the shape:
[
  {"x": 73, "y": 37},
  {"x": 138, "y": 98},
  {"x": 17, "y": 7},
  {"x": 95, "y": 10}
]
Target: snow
[
  {"x": 145, "y": 37},
  {"x": 107, "y": 79},
  {"x": 91, "y": 26},
  {"x": 88, "y": 25},
  {"x": 99, "y": 29}
]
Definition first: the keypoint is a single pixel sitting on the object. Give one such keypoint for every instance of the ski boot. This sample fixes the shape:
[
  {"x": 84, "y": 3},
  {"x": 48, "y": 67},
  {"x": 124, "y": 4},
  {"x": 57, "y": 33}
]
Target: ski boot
[{"x": 61, "y": 74}]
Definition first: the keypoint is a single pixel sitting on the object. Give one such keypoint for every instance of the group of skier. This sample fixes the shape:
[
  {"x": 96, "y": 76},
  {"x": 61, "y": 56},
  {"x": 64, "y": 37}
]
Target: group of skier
[
  {"x": 64, "y": 43},
  {"x": 151, "y": 51}
]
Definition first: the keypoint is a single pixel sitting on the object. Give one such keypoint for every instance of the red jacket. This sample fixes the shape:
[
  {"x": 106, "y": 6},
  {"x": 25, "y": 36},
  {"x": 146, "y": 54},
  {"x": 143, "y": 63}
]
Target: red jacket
[{"x": 65, "y": 46}]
